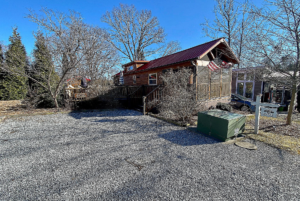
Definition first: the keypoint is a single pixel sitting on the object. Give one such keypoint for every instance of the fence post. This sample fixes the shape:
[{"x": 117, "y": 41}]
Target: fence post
[{"x": 144, "y": 105}]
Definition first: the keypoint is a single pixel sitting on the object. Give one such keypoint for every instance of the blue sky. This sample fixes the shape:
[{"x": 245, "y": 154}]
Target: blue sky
[{"x": 180, "y": 18}]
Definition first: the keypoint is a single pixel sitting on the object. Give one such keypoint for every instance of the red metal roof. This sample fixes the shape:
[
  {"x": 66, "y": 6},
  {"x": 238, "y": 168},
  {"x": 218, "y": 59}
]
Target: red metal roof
[
  {"x": 118, "y": 74},
  {"x": 181, "y": 56},
  {"x": 184, "y": 55}
]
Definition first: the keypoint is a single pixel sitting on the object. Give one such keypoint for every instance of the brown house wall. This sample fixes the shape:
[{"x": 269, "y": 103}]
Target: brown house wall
[
  {"x": 142, "y": 77},
  {"x": 220, "y": 94}
]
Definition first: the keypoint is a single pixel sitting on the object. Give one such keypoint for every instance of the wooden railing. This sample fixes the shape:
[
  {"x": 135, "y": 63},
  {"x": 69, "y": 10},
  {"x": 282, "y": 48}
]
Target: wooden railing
[
  {"x": 124, "y": 90},
  {"x": 152, "y": 97},
  {"x": 138, "y": 93},
  {"x": 135, "y": 95}
]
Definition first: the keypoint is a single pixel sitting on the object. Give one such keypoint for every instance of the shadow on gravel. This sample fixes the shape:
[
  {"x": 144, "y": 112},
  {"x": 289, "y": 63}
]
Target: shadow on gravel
[
  {"x": 110, "y": 120},
  {"x": 187, "y": 138},
  {"x": 78, "y": 114}
]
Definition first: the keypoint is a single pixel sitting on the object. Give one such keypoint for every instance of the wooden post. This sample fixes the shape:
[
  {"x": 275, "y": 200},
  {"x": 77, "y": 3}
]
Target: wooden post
[
  {"x": 257, "y": 114},
  {"x": 258, "y": 104},
  {"x": 209, "y": 84},
  {"x": 144, "y": 105},
  {"x": 221, "y": 82},
  {"x": 196, "y": 80}
]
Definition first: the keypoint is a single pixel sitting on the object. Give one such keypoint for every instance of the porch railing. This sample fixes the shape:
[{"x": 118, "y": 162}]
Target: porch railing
[{"x": 152, "y": 99}]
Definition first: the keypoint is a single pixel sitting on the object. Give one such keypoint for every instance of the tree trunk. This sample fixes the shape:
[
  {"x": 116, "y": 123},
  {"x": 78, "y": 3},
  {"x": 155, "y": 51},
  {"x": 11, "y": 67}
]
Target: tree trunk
[
  {"x": 56, "y": 103},
  {"x": 291, "y": 108}
]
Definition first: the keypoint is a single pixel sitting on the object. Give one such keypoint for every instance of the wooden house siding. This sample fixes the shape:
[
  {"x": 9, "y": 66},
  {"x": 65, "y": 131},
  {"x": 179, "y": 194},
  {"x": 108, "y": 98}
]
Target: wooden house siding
[
  {"x": 210, "y": 85},
  {"x": 142, "y": 77}
]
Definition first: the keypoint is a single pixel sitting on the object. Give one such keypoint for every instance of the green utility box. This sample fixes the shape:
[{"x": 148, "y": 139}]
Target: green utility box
[{"x": 220, "y": 124}]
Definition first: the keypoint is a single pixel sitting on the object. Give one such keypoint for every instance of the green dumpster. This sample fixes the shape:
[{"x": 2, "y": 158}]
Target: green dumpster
[{"x": 220, "y": 124}]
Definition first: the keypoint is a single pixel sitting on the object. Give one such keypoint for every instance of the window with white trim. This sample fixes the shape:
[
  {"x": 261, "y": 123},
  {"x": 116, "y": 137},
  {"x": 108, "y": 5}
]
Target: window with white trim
[
  {"x": 134, "y": 79},
  {"x": 152, "y": 79}
]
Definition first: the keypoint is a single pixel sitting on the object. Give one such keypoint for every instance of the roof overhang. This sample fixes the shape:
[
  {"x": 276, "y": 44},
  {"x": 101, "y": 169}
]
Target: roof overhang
[
  {"x": 135, "y": 62},
  {"x": 232, "y": 57}
]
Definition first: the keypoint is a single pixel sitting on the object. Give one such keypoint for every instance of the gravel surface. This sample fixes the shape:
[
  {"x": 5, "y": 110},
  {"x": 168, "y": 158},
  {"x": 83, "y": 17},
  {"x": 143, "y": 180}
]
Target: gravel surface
[{"x": 122, "y": 155}]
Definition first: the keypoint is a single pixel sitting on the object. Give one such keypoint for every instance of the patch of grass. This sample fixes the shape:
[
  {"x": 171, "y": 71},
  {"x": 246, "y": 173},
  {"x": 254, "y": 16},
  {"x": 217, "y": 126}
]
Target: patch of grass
[{"x": 289, "y": 143}]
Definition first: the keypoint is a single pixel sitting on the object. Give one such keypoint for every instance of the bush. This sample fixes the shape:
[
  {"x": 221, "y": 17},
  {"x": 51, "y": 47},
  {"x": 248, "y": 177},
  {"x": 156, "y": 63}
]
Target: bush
[{"x": 179, "y": 97}]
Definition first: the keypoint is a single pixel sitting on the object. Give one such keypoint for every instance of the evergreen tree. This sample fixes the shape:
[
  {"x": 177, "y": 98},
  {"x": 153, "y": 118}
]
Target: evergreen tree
[
  {"x": 14, "y": 87},
  {"x": 2, "y": 73},
  {"x": 1, "y": 55},
  {"x": 43, "y": 71}
]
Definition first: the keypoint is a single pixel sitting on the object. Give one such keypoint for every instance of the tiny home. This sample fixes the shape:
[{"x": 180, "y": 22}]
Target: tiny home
[
  {"x": 213, "y": 83},
  {"x": 245, "y": 82}
]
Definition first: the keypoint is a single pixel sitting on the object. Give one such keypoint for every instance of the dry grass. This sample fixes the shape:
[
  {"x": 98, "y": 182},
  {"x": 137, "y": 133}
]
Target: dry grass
[
  {"x": 282, "y": 136},
  {"x": 10, "y": 106},
  {"x": 15, "y": 108}
]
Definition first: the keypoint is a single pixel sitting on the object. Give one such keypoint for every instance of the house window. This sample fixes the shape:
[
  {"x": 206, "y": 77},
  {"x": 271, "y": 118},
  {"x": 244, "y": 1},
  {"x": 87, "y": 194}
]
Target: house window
[
  {"x": 241, "y": 76},
  {"x": 134, "y": 79},
  {"x": 129, "y": 68},
  {"x": 245, "y": 85},
  {"x": 250, "y": 76},
  {"x": 153, "y": 79}
]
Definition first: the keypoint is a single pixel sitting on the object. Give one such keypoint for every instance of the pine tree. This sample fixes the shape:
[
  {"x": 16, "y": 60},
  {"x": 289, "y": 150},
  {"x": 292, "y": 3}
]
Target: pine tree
[
  {"x": 1, "y": 55},
  {"x": 2, "y": 73},
  {"x": 43, "y": 71},
  {"x": 15, "y": 86}
]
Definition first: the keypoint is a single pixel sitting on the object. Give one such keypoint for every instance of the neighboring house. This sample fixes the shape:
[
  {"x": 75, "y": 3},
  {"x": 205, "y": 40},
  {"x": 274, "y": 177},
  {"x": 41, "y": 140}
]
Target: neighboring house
[
  {"x": 210, "y": 85},
  {"x": 245, "y": 84},
  {"x": 74, "y": 88}
]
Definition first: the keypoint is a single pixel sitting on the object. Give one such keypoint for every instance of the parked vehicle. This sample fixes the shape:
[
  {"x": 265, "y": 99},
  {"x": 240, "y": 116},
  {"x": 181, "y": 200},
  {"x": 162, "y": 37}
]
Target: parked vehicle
[{"x": 242, "y": 103}]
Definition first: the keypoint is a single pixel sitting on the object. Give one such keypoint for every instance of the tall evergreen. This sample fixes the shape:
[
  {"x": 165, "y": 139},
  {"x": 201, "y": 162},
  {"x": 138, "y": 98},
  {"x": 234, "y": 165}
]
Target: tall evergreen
[
  {"x": 2, "y": 73},
  {"x": 1, "y": 55},
  {"x": 43, "y": 71},
  {"x": 14, "y": 86}
]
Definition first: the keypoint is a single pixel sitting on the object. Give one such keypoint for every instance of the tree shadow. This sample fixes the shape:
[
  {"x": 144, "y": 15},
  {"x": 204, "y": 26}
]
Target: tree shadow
[
  {"x": 104, "y": 113},
  {"x": 184, "y": 138}
]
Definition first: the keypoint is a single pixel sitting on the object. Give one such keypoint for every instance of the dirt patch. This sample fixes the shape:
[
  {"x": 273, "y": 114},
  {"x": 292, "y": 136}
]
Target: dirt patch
[{"x": 16, "y": 108}]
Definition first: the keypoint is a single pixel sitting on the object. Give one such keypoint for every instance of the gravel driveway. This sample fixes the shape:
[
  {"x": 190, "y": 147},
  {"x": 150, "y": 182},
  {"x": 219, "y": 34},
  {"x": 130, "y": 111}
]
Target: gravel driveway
[{"x": 122, "y": 155}]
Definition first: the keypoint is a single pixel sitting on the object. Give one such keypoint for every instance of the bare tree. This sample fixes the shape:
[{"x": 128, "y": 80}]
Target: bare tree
[
  {"x": 169, "y": 48},
  {"x": 275, "y": 45},
  {"x": 101, "y": 57},
  {"x": 132, "y": 32},
  {"x": 65, "y": 36},
  {"x": 232, "y": 21}
]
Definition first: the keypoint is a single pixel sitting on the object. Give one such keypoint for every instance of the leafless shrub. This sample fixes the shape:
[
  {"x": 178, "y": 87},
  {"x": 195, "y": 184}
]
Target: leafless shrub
[{"x": 179, "y": 97}]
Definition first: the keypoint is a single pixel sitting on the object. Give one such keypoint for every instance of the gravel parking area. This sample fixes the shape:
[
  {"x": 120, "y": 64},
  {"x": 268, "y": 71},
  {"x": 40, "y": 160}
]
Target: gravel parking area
[{"x": 122, "y": 155}]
